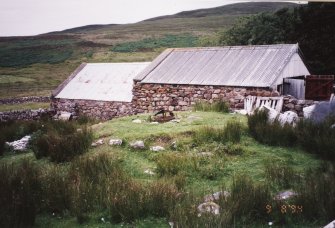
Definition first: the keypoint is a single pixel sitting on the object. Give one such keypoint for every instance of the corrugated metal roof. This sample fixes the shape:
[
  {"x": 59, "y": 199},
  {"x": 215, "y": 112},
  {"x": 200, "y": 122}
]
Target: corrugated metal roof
[
  {"x": 252, "y": 66},
  {"x": 103, "y": 82}
]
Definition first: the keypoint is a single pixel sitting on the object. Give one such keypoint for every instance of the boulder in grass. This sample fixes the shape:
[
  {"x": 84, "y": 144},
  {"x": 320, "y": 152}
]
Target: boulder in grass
[
  {"x": 20, "y": 145},
  {"x": 330, "y": 225},
  {"x": 137, "y": 145},
  {"x": 138, "y": 121},
  {"x": 65, "y": 116},
  {"x": 209, "y": 207},
  {"x": 116, "y": 142}
]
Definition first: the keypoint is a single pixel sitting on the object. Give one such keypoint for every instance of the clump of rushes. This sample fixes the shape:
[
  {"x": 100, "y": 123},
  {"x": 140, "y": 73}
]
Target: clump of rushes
[
  {"x": 19, "y": 194},
  {"x": 318, "y": 138},
  {"x": 60, "y": 141},
  {"x": 274, "y": 133},
  {"x": 232, "y": 132},
  {"x": 217, "y": 106}
]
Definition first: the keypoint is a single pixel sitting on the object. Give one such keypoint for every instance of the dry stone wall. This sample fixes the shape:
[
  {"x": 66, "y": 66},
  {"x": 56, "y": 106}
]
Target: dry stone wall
[
  {"x": 25, "y": 115},
  {"x": 19, "y": 100},
  {"x": 295, "y": 105},
  {"x": 152, "y": 97},
  {"x": 103, "y": 110}
]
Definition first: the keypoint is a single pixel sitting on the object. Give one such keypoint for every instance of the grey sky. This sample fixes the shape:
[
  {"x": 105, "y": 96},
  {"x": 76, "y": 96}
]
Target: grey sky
[{"x": 31, "y": 17}]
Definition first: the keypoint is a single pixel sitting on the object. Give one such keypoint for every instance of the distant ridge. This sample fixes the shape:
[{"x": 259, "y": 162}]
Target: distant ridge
[
  {"x": 237, "y": 9},
  {"x": 81, "y": 28},
  {"x": 232, "y": 9}
]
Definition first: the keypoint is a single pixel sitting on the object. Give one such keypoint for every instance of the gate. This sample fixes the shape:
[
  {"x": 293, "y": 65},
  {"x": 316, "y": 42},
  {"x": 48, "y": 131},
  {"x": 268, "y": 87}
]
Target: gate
[{"x": 319, "y": 88}]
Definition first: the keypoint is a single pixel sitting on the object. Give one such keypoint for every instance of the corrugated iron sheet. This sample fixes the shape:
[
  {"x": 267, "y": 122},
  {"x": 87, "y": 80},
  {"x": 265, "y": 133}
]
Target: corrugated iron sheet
[
  {"x": 252, "y": 66},
  {"x": 103, "y": 82}
]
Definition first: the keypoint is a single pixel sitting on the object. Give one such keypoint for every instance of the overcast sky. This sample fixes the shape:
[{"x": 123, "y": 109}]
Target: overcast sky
[{"x": 32, "y": 17}]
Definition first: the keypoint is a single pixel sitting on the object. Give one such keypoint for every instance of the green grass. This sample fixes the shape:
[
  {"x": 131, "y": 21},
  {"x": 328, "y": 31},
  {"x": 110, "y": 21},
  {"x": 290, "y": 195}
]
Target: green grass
[
  {"x": 199, "y": 175},
  {"x": 148, "y": 44},
  {"x": 23, "y": 106}
]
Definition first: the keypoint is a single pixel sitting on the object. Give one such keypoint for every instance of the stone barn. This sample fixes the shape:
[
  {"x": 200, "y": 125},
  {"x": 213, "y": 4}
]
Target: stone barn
[
  {"x": 98, "y": 90},
  {"x": 179, "y": 77}
]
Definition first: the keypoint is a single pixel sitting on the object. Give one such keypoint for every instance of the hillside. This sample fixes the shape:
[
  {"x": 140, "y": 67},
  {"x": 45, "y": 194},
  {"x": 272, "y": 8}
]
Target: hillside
[{"x": 36, "y": 65}]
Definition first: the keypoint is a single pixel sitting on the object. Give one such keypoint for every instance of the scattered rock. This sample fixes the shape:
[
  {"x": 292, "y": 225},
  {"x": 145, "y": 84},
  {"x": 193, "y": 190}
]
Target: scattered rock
[
  {"x": 137, "y": 145},
  {"x": 20, "y": 145},
  {"x": 98, "y": 143},
  {"x": 174, "y": 145},
  {"x": 209, "y": 207},
  {"x": 138, "y": 121},
  {"x": 216, "y": 196},
  {"x": 288, "y": 117},
  {"x": 153, "y": 123},
  {"x": 175, "y": 121},
  {"x": 148, "y": 171},
  {"x": 330, "y": 225},
  {"x": 117, "y": 142},
  {"x": 79, "y": 130},
  {"x": 65, "y": 116},
  {"x": 285, "y": 195},
  {"x": 157, "y": 148},
  {"x": 332, "y": 126}
]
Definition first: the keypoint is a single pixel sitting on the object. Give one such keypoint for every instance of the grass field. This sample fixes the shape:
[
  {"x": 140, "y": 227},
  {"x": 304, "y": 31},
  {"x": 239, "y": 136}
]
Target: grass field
[
  {"x": 23, "y": 106},
  {"x": 184, "y": 164}
]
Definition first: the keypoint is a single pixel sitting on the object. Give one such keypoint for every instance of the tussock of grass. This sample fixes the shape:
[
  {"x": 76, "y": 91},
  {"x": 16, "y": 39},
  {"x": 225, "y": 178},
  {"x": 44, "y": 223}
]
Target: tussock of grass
[{"x": 217, "y": 106}]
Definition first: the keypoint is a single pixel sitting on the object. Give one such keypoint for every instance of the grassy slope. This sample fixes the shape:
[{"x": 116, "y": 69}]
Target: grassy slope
[
  {"x": 36, "y": 65},
  {"x": 135, "y": 162}
]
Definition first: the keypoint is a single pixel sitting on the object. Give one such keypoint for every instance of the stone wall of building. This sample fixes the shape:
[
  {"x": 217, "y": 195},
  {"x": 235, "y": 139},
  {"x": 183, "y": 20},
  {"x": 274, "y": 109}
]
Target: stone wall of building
[
  {"x": 152, "y": 97},
  {"x": 103, "y": 110},
  {"x": 295, "y": 105},
  {"x": 19, "y": 100},
  {"x": 26, "y": 115}
]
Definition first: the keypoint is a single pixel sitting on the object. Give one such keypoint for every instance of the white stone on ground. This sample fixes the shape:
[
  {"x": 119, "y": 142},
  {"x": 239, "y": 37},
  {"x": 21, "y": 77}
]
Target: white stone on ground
[
  {"x": 138, "y": 121},
  {"x": 20, "y": 144},
  {"x": 154, "y": 123},
  {"x": 148, "y": 171},
  {"x": 97, "y": 143},
  {"x": 157, "y": 148},
  {"x": 117, "y": 142},
  {"x": 284, "y": 195},
  {"x": 137, "y": 145},
  {"x": 330, "y": 225},
  {"x": 209, "y": 207},
  {"x": 64, "y": 116}
]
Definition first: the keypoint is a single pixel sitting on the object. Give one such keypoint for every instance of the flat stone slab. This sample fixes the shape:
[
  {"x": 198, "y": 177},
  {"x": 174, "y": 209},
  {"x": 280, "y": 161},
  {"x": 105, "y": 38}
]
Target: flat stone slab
[
  {"x": 216, "y": 196},
  {"x": 117, "y": 142},
  {"x": 137, "y": 145},
  {"x": 21, "y": 144}
]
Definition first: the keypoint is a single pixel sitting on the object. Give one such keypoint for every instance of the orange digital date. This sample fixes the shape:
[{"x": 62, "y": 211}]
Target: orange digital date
[{"x": 285, "y": 208}]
